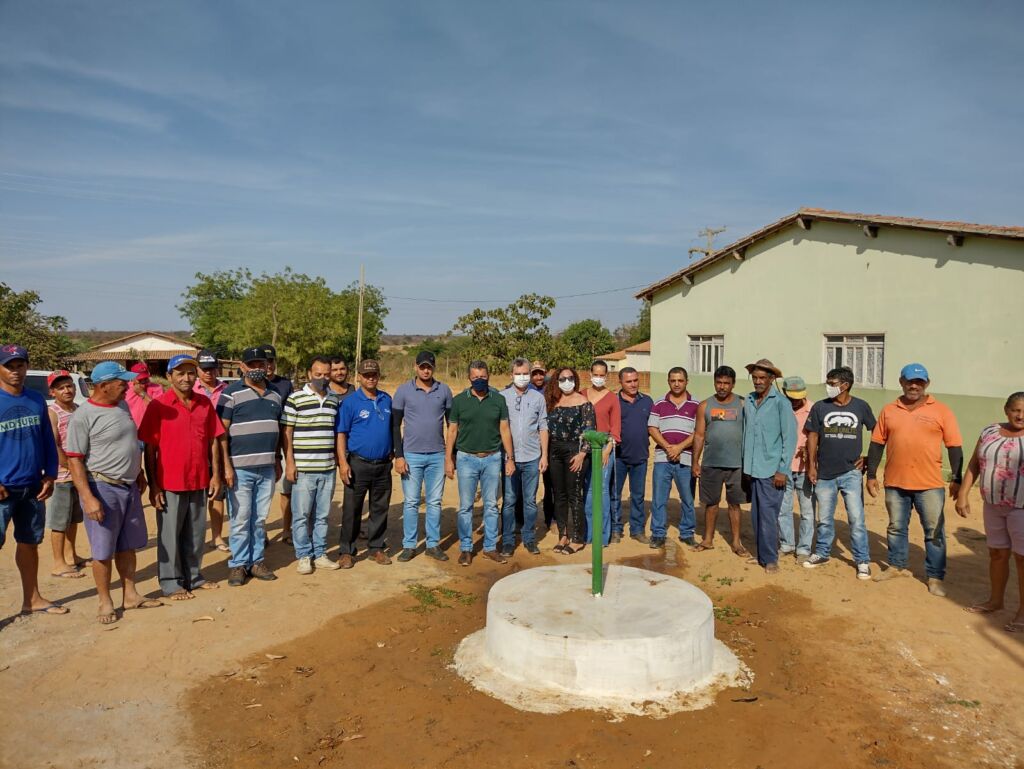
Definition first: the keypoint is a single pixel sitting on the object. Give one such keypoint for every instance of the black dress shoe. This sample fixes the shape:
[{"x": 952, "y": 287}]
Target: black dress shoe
[
  {"x": 531, "y": 547},
  {"x": 436, "y": 553},
  {"x": 406, "y": 555},
  {"x": 657, "y": 543}
]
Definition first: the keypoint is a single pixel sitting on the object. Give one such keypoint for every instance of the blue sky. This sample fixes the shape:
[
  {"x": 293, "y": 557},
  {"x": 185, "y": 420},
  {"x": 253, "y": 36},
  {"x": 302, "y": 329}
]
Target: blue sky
[{"x": 476, "y": 151}]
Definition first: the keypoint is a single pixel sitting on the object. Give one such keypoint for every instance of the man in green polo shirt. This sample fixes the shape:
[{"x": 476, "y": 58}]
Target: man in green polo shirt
[{"x": 477, "y": 432}]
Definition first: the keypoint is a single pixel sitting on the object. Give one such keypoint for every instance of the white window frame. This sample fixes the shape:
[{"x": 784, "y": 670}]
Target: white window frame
[
  {"x": 707, "y": 352},
  {"x": 862, "y": 352}
]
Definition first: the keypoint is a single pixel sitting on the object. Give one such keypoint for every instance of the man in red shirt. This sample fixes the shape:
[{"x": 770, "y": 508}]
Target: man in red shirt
[
  {"x": 141, "y": 392},
  {"x": 182, "y": 434}
]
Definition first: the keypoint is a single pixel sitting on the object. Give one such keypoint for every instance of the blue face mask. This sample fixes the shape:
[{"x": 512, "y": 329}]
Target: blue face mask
[{"x": 480, "y": 385}]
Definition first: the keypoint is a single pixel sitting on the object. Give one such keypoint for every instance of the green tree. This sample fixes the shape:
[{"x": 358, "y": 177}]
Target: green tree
[
  {"x": 630, "y": 334},
  {"x": 42, "y": 335},
  {"x": 500, "y": 335},
  {"x": 298, "y": 314},
  {"x": 585, "y": 340}
]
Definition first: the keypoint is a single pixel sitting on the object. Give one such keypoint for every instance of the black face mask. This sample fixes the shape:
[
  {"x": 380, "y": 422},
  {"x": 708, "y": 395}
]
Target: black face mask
[
  {"x": 256, "y": 375},
  {"x": 320, "y": 385},
  {"x": 480, "y": 385}
]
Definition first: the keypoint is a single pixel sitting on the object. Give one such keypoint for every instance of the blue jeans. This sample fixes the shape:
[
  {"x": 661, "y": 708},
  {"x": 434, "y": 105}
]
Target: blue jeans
[
  {"x": 485, "y": 472},
  {"x": 249, "y": 505},
  {"x": 797, "y": 485},
  {"x": 424, "y": 470},
  {"x": 665, "y": 474},
  {"x": 765, "y": 501},
  {"x": 637, "y": 475},
  {"x": 521, "y": 484},
  {"x": 928, "y": 504},
  {"x": 311, "y": 498},
  {"x": 606, "y": 503},
  {"x": 851, "y": 486}
]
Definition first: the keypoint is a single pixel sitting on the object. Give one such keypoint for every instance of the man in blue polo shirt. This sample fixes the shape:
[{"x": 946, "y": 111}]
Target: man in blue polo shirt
[
  {"x": 423, "y": 404},
  {"x": 631, "y": 456},
  {"x": 251, "y": 412},
  {"x": 28, "y": 468},
  {"x": 364, "y": 463}
]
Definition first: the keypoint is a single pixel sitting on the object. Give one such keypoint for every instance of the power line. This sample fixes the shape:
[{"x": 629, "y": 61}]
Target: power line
[{"x": 508, "y": 301}]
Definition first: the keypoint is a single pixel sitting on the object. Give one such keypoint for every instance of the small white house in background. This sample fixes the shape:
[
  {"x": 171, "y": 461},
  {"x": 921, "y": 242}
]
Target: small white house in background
[
  {"x": 152, "y": 347},
  {"x": 638, "y": 356}
]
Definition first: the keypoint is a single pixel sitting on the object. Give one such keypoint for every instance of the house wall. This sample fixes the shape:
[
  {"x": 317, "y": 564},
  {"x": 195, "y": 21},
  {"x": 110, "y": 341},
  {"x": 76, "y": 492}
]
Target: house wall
[
  {"x": 949, "y": 308},
  {"x": 946, "y": 307}
]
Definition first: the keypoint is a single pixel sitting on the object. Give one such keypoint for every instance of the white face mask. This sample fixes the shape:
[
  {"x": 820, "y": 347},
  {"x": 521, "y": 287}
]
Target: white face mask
[
  {"x": 522, "y": 381},
  {"x": 567, "y": 387},
  {"x": 597, "y": 381},
  {"x": 831, "y": 392}
]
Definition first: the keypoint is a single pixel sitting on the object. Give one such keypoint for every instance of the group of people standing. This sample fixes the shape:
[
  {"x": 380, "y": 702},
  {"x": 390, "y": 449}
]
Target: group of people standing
[{"x": 203, "y": 442}]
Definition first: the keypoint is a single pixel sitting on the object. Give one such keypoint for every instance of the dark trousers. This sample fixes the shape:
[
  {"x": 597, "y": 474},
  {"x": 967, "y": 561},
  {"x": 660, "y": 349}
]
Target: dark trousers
[
  {"x": 567, "y": 487},
  {"x": 549, "y": 499},
  {"x": 765, "y": 503},
  {"x": 375, "y": 480},
  {"x": 181, "y": 533}
]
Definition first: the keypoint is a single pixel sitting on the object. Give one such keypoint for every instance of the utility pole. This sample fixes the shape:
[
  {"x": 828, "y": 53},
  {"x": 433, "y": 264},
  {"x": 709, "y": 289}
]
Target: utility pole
[
  {"x": 359, "y": 320},
  {"x": 709, "y": 233}
]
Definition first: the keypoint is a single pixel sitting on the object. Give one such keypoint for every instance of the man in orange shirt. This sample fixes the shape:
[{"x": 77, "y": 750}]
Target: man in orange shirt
[{"x": 914, "y": 428}]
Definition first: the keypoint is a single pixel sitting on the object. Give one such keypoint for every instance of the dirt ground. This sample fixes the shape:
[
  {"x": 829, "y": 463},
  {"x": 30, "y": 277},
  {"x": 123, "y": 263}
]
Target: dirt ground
[{"x": 847, "y": 673}]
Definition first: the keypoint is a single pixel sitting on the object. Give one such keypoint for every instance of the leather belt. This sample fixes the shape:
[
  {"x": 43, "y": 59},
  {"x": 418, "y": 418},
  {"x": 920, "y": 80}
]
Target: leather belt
[
  {"x": 107, "y": 479},
  {"x": 371, "y": 461},
  {"x": 481, "y": 454}
]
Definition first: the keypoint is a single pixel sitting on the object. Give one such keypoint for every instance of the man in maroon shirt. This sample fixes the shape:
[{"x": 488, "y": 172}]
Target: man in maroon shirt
[{"x": 182, "y": 434}]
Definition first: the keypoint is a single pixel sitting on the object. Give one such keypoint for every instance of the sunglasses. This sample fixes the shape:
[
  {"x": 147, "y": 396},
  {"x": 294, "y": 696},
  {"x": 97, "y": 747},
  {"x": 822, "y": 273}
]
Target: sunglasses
[{"x": 566, "y": 379}]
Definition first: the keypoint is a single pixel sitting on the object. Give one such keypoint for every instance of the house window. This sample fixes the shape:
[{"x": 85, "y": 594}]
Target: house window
[
  {"x": 706, "y": 353},
  {"x": 864, "y": 353}
]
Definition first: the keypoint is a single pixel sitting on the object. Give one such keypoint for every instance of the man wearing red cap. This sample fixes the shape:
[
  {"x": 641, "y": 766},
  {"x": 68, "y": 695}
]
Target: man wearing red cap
[
  {"x": 141, "y": 392},
  {"x": 63, "y": 509}
]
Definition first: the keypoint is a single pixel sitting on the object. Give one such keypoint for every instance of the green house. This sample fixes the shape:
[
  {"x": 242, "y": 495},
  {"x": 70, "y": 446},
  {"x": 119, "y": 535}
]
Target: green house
[{"x": 818, "y": 289}]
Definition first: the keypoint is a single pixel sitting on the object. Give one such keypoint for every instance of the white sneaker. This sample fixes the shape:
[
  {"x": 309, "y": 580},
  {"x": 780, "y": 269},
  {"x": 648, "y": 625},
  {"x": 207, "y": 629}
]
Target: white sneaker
[
  {"x": 305, "y": 566},
  {"x": 815, "y": 561},
  {"x": 863, "y": 571},
  {"x": 323, "y": 562}
]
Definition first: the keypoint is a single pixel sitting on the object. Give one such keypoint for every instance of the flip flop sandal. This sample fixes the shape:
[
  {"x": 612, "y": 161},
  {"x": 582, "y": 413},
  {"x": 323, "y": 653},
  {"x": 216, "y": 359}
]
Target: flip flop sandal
[
  {"x": 53, "y": 608},
  {"x": 181, "y": 595},
  {"x": 107, "y": 619},
  {"x": 146, "y": 603},
  {"x": 72, "y": 574},
  {"x": 703, "y": 546},
  {"x": 207, "y": 586},
  {"x": 979, "y": 609},
  {"x": 222, "y": 547}
]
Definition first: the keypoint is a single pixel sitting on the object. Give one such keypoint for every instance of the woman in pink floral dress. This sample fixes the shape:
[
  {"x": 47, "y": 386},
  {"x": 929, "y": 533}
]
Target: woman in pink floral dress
[{"x": 998, "y": 465}]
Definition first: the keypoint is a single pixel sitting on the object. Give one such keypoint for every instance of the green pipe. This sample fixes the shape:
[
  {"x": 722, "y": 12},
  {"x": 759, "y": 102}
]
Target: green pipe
[{"x": 597, "y": 442}]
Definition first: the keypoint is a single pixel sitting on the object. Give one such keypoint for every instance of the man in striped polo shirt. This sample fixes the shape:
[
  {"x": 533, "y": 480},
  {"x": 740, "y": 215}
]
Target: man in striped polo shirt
[
  {"x": 251, "y": 412},
  {"x": 308, "y": 419},
  {"x": 671, "y": 426}
]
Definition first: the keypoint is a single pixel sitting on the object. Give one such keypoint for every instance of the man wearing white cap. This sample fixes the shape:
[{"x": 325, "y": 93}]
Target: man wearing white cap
[{"x": 182, "y": 433}]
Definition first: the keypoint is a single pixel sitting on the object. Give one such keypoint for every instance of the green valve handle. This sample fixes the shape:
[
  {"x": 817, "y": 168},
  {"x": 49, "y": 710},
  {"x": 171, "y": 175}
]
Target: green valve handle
[{"x": 597, "y": 442}]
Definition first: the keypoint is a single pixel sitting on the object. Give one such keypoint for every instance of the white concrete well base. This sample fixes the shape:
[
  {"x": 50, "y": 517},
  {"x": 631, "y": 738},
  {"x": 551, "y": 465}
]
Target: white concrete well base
[{"x": 646, "y": 646}]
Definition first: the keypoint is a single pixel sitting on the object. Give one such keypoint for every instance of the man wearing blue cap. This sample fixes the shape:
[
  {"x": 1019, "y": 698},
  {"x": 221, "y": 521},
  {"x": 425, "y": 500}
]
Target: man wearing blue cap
[
  {"x": 912, "y": 430},
  {"x": 182, "y": 434},
  {"x": 28, "y": 468},
  {"x": 103, "y": 454}
]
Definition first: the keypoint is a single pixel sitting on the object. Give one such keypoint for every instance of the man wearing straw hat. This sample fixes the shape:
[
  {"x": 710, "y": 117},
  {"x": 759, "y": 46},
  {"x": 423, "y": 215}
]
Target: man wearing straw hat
[{"x": 769, "y": 442}]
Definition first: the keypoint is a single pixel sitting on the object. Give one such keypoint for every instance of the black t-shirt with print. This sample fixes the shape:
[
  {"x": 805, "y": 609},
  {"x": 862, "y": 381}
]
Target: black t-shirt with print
[{"x": 839, "y": 430}]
